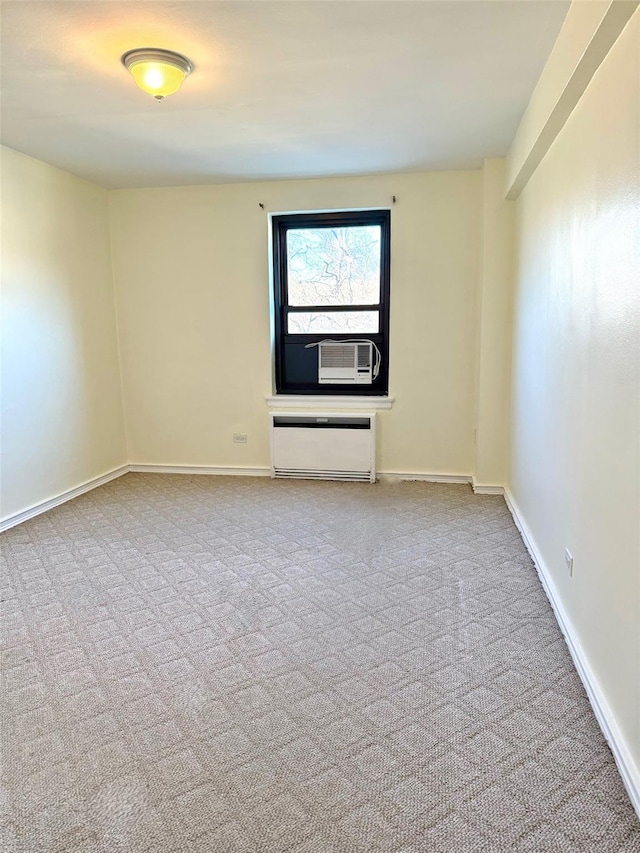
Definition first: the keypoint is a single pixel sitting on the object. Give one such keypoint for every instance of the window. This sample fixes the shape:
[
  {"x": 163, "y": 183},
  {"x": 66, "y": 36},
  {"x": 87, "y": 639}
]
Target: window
[{"x": 331, "y": 280}]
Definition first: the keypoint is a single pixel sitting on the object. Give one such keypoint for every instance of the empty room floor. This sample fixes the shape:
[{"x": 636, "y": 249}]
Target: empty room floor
[{"x": 212, "y": 665}]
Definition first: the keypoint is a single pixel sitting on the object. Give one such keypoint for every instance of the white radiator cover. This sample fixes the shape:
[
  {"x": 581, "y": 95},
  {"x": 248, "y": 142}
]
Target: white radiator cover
[{"x": 324, "y": 445}]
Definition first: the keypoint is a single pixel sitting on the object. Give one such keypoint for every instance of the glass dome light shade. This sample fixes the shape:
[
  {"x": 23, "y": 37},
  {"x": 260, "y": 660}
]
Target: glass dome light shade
[{"x": 158, "y": 72}]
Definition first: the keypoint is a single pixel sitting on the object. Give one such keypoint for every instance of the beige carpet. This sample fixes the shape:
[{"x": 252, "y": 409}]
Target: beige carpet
[{"x": 218, "y": 665}]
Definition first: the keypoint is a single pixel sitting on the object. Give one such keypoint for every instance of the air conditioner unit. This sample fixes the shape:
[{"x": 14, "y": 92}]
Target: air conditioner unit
[
  {"x": 323, "y": 447},
  {"x": 345, "y": 363}
]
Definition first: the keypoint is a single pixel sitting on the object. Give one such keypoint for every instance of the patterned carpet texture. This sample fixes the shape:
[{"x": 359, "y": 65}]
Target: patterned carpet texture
[{"x": 233, "y": 665}]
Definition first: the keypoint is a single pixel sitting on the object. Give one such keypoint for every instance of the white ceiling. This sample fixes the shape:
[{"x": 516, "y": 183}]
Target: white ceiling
[{"x": 280, "y": 89}]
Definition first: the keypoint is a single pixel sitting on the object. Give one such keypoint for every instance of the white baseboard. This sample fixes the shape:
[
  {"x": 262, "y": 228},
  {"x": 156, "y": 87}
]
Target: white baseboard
[
  {"x": 426, "y": 478},
  {"x": 629, "y": 772},
  {"x": 69, "y": 495},
  {"x": 478, "y": 488},
  {"x": 486, "y": 489},
  {"x": 200, "y": 469},
  {"x": 266, "y": 472}
]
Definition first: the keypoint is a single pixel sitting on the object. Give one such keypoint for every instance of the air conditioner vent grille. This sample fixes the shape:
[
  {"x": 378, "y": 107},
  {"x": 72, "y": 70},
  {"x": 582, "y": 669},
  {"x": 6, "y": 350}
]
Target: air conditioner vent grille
[
  {"x": 337, "y": 356},
  {"x": 345, "y": 363},
  {"x": 364, "y": 355}
]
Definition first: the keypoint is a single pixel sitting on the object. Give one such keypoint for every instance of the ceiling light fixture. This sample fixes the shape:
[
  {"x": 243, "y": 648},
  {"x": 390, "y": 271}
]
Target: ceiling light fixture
[{"x": 158, "y": 72}]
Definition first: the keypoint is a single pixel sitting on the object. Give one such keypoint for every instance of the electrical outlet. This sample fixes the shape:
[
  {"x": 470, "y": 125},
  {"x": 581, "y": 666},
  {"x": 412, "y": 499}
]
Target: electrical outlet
[
  {"x": 568, "y": 561},
  {"x": 240, "y": 438}
]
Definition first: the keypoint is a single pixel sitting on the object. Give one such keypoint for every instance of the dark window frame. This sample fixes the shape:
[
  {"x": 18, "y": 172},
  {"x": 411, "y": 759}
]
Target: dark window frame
[{"x": 280, "y": 225}]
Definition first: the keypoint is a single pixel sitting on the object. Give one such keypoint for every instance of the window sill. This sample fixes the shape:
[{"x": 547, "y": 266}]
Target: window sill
[{"x": 318, "y": 401}]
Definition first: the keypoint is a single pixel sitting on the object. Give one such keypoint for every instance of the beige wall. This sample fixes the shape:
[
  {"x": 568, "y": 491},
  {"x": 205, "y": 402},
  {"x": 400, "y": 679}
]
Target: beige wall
[
  {"x": 494, "y": 328},
  {"x": 575, "y": 428},
  {"x": 192, "y": 282},
  {"x": 62, "y": 418}
]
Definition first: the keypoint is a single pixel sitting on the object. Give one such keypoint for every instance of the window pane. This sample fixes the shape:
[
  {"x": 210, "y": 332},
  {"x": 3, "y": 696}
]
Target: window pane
[
  {"x": 334, "y": 266},
  {"x": 333, "y": 322}
]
